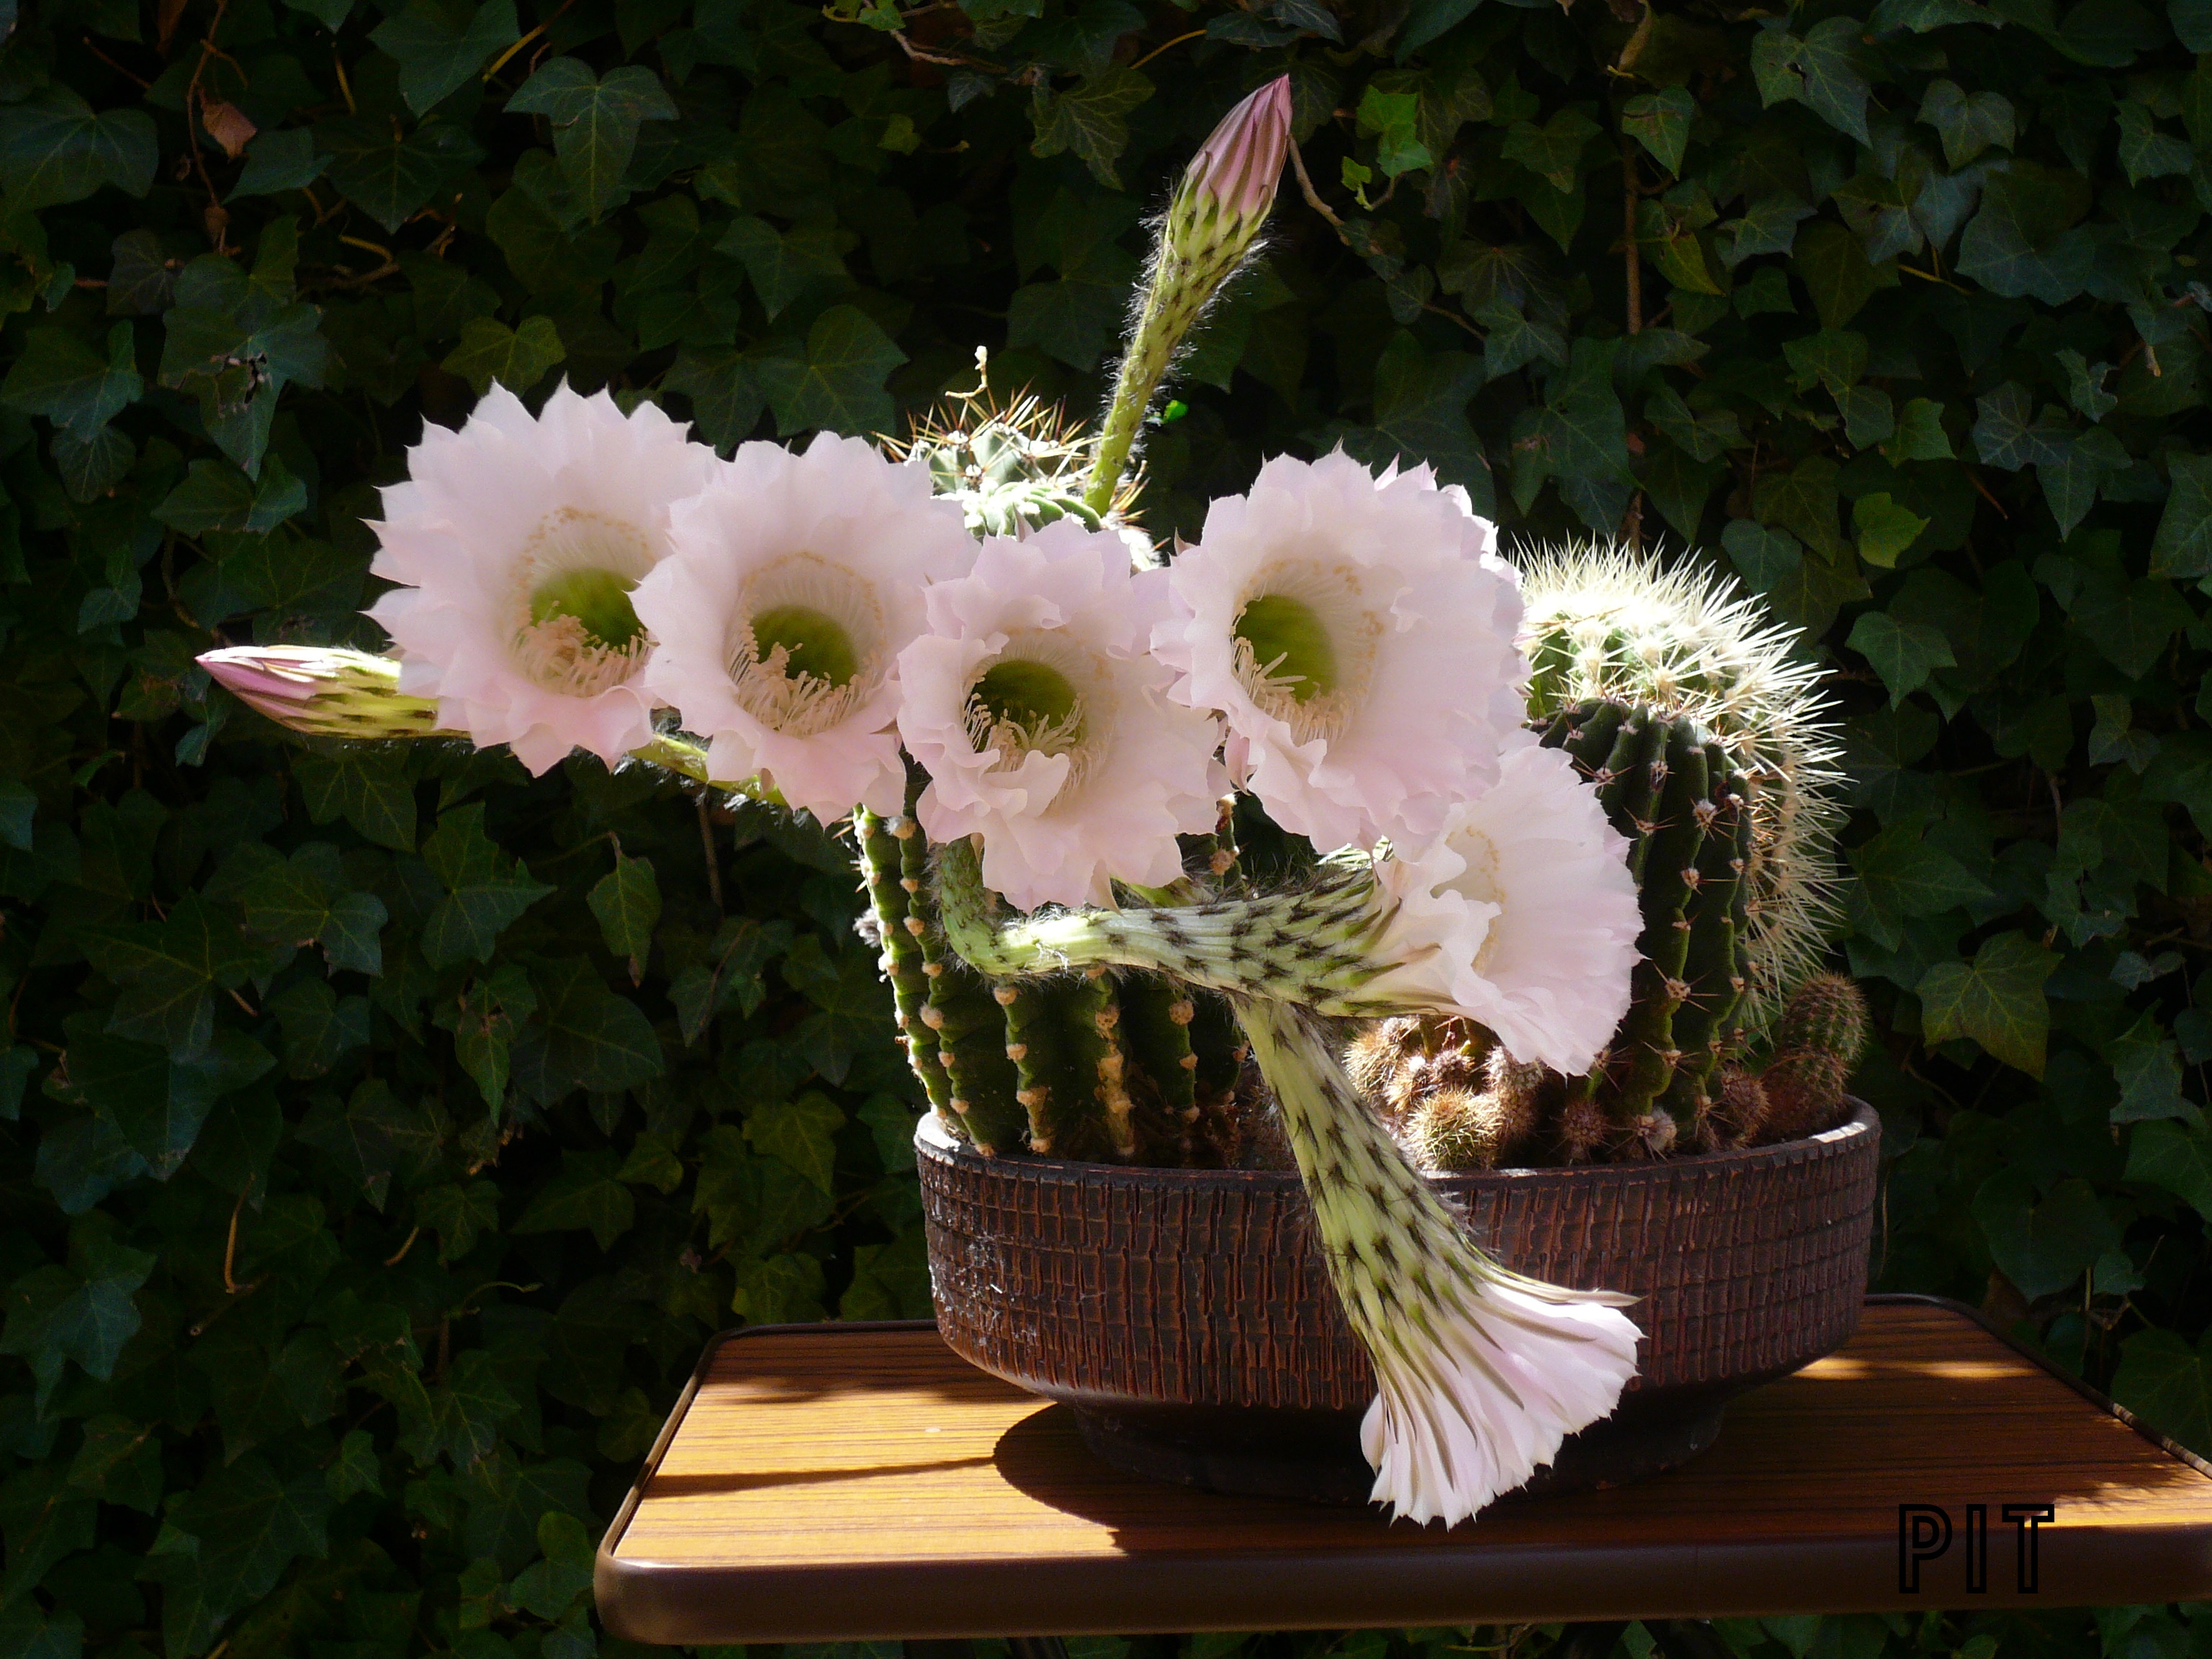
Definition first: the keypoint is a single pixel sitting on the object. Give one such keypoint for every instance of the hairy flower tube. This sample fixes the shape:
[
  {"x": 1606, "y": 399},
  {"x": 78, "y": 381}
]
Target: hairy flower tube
[
  {"x": 519, "y": 540},
  {"x": 1045, "y": 726},
  {"x": 1357, "y": 630},
  {"x": 1210, "y": 225},
  {"x": 1480, "y": 1372},
  {"x": 1520, "y": 915},
  {"x": 793, "y": 583}
]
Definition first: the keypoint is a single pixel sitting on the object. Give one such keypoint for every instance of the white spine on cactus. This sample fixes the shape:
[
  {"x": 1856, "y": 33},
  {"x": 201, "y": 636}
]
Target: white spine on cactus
[
  {"x": 1606, "y": 621},
  {"x": 1480, "y": 1372},
  {"x": 519, "y": 540},
  {"x": 794, "y": 582},
  {"x": 1045, "y": 726},
  {"x": 1520, "y": 915},
  {"x": 1356, "y": 630}
]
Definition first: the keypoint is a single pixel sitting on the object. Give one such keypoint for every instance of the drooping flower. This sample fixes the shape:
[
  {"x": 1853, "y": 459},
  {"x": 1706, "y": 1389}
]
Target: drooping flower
[
  {"x": 1480, "y": 1372},
  {"x": 1045, "y": 726},
  {"x": 519, "y": 540},
  {"x": 794, "y": 582},
  {"x": 1520, "y": 915},
  {"x": 1357, "y": 630}
]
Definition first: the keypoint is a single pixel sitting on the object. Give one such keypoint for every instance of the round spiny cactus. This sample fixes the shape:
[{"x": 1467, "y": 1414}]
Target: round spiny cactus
[
  {"x": 1608, "y": 622},
  {"x": 1012, "y": 466},
  {"x": 1818, "y": 1041}
]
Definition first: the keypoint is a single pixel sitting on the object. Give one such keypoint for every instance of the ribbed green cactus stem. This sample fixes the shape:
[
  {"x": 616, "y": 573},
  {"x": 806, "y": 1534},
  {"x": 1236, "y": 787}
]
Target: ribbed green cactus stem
[
  {"x": 1310, "y": 945},
  {"x": 1218, "y": 1044},
  {"x": 1047, "y": 1088},
  {"x": 895, "y": 896},
  {"x": 1480, "y": 1371},
  {"x": 1705, "y": 1026},
  {"x": 1156, "y": 1014},
  {"x": 330, "y": 691},
  {"x": 970, "y": 1028},
  {"x": 1667, "y": 883},
  {"x": 1817, "y": 1043}
]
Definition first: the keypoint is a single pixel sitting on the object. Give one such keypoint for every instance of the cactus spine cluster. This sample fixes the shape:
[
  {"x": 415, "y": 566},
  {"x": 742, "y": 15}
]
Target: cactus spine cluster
[{"x": 1608, "y": 622}]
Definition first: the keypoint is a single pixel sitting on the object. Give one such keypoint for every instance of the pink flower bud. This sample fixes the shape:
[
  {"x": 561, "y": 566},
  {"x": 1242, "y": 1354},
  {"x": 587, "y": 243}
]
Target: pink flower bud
[
  {"x": 258, "y": 675},
  {"x": 1240, "y": 162}
]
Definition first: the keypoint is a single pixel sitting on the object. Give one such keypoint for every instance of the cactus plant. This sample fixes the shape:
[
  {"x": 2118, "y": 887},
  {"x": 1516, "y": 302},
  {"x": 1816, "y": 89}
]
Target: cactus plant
[{"x": 1609, "y": 623}]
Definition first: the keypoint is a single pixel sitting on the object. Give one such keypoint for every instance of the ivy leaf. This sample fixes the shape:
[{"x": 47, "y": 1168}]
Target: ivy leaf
[
  {"x": 802, "y": 1131},
  {"x": 1659, "y": 121},
  {"x": 458, "y": 1214},
  {"x": 2183, "y": 547},
  {"x": 2043, "y": 1246},
  {"x": 1833, "y": 265},
  {"x": 1900, "y": 874},
  {"x": 216, "y": 495},
  {"x": 2175, "y": 1158},
  {"x": 1822, "y": 71},
  {"x": 2147, "y": 153},
  {"x": 2168, "y": 1384},
  {"x": 53, "y": 148},
  {"x": 595, "y": 122},
  {"x": 2147, "y": 1064},
  {"x": 783, "y": 265},
  {"x": 251, "y": 1525},
  {"x": 594, "y": 1039},
  {"x": 839, "y": 385},
  {"x": 587, "y": 1193},
  {"x": 518, "y": 358},
  {"x": 366, "y": 786},
  {"x": 278, "y": 161},
  {"x": 1969, "y": 123},
  {"x": 627, "y": 902},
  {"x": 439, "y": 47},
  {"x": 1886, "y": 530},
  {"x": 1903, "y": 653},
  {"x": 1395, "y": 119},
  {"x": 57, "y": 376},
  {"x": 1996, "y": 999},
  {"x": 485, "y": 890},
  {"x": 1087, "y": 119},
  {"x": 849, "y": 1000},
  {"x": 169, "y": 971},
  {"x": 390, "y": 175},
  {"x": 548, "y": 1588},
  {"x": 724, "y": 385},
  {"x": 1555, "y": 149},
  {"x": 2025, "y": 240}
]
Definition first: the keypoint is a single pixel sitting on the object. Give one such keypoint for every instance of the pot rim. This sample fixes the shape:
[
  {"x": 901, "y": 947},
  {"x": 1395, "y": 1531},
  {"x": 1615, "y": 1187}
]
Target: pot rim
[{"x": 931, "y": 1136}]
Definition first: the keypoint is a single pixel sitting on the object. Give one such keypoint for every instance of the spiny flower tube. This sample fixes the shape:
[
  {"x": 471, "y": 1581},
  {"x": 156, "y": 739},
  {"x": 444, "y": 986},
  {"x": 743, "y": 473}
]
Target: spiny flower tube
[
  {"x": 1357, "y": 630},
  {"x": 1520, "y": 915},
  {"x": 794, "y": 582},
  {"x": 1044, "y": 725},
  {"x": 1210, "y": 225},
  {"x": 1480, "y": 1373},
  {"x": 519, "y": 540}
]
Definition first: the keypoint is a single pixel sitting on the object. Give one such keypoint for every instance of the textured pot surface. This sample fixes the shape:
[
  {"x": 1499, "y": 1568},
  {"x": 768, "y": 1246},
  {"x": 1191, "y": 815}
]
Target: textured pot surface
[{"x": 1112, "y": 1286}]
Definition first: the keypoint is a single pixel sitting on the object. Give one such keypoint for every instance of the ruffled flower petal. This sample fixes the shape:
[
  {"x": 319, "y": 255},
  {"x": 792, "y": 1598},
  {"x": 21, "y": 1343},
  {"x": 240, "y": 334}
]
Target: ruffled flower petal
[
  {"x": 517, "y": 540},
  {"x": 1357, "y": 631},
  {"x": 1520, "y": 915},
  {"x": 795, "y": 581},
  {"x": 1046, "y": 728}
]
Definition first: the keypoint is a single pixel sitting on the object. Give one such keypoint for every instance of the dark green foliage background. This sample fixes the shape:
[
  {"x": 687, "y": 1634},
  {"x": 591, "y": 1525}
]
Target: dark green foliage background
[{"x": 382, "y": 1134}]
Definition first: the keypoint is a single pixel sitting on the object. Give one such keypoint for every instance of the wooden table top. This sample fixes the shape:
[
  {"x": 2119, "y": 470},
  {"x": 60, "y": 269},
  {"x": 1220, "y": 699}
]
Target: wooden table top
[{"x": 850, "y": 1483}]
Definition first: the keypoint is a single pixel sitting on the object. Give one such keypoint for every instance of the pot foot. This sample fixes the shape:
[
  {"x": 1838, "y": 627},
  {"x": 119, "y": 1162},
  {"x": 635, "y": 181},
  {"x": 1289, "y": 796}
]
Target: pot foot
[{"x": 1313, "y": 1456}]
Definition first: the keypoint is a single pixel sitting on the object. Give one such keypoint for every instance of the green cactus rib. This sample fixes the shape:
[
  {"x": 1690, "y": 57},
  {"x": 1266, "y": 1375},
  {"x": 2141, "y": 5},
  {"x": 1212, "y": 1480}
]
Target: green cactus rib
[
  {"x": 1706, "y": 1024},
  {"x": 1309, "y": 947},
  {"x": 1156, "y": 1019},
  {"x": 895, "y": 894},
  {"x": 1668, "y": 885},
  {"x": 1063, "y": 1122},
  {"x": 971, "y": 1038}
]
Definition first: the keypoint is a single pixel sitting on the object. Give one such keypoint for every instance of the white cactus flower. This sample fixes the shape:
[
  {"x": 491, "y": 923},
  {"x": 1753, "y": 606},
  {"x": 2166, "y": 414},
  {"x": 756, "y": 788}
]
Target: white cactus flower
[
  {"x": 519, "y": 540},
  {"x": 1357, "y": 630},
  {"x": 1520, "y": 915},
  {"x": 794, "y": 582},
  {"x": 1046, "y": 728}
]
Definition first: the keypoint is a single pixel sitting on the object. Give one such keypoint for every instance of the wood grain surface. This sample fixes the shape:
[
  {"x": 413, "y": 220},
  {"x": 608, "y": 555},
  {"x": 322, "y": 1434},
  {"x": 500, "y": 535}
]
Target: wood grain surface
[{"x": 837, "y": 1483}]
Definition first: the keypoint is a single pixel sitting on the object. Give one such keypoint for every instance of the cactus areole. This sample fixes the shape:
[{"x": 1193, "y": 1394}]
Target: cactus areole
[{"x": 1577, "y": 917}]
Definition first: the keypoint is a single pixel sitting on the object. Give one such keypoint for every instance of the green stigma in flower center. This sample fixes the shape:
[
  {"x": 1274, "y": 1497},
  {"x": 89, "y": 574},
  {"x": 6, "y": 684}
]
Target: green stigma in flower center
[
  {"x": 1290, "y": 644},
  {"x": 814, "y": 643},
  {"x": 1034, "y": 697},
  {"x": 598, "y": 599}
]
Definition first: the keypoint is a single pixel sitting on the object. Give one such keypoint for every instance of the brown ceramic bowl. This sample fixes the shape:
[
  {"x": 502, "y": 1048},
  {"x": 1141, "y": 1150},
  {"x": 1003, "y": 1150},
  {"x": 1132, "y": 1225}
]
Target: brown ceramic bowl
[{"x": 1187, "y": 1317}]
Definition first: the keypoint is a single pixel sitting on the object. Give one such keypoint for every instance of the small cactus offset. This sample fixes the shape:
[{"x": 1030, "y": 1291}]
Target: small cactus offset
[{"x": 1818, "y": 1041}]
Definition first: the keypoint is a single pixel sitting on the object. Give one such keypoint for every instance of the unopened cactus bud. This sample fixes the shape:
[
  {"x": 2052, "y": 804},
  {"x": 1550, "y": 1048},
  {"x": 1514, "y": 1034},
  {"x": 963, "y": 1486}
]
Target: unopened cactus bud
[
  {"x": 325, "y": 692},
  {"x": 1210, "y": 225}
]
